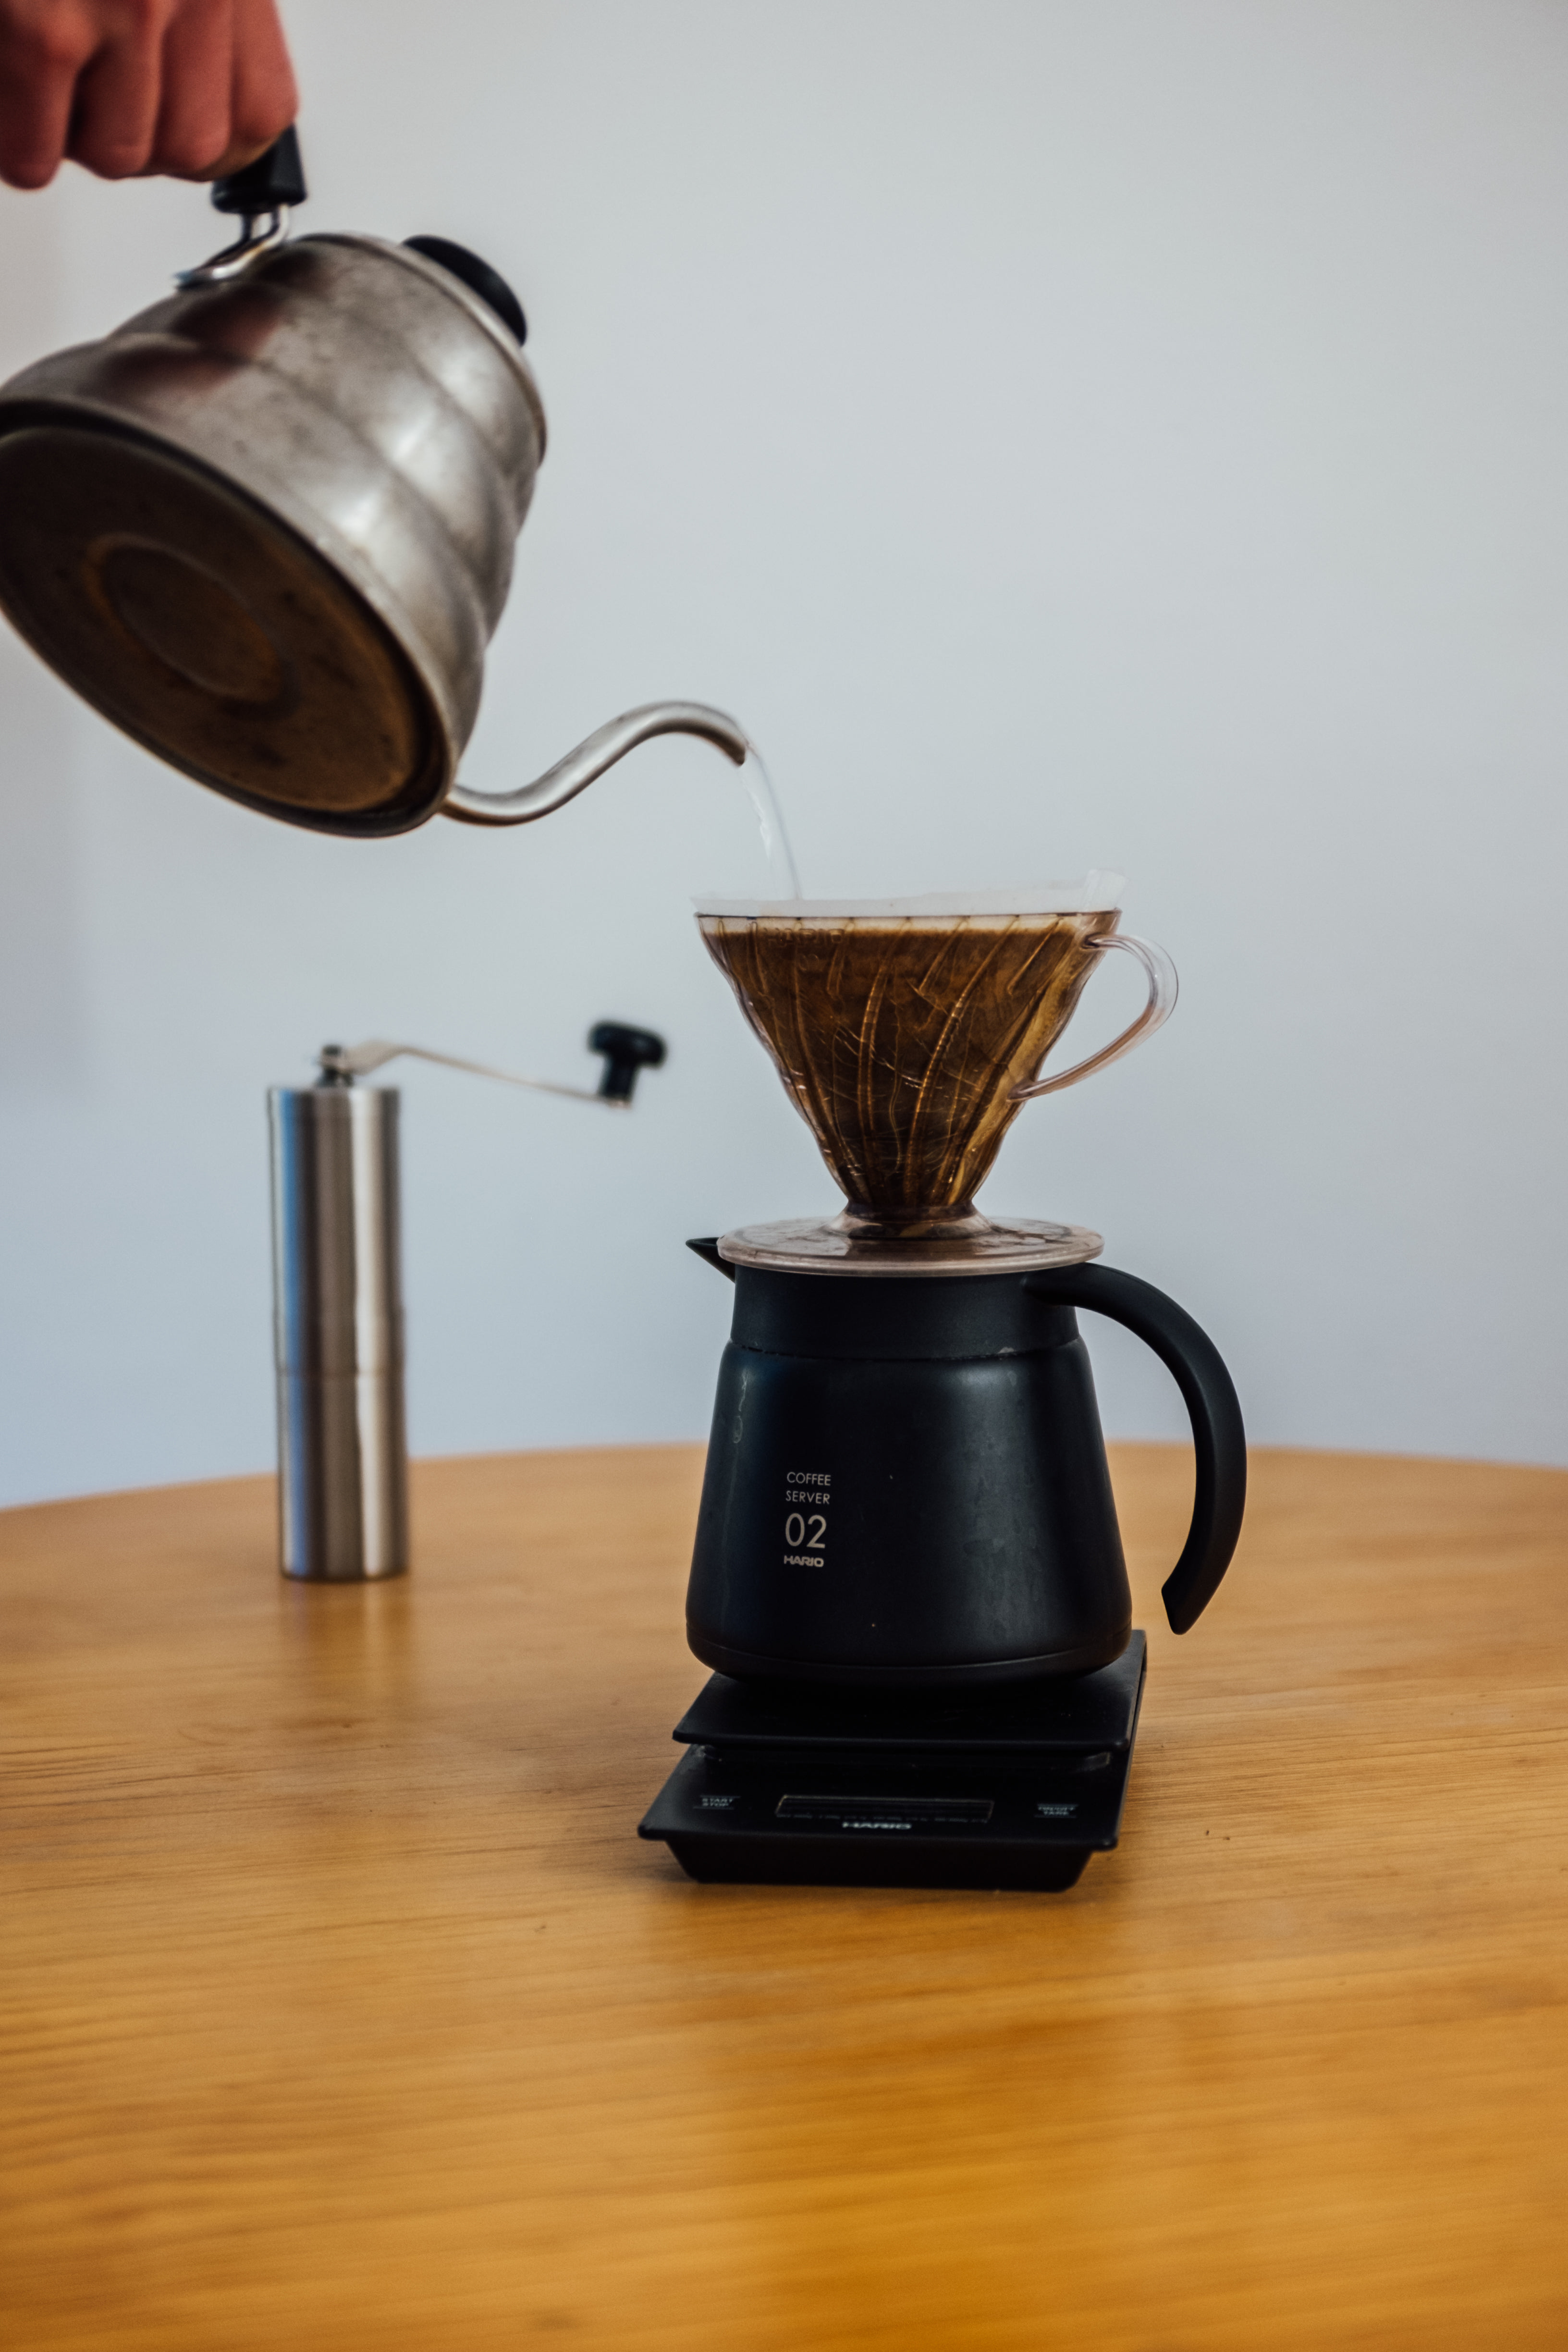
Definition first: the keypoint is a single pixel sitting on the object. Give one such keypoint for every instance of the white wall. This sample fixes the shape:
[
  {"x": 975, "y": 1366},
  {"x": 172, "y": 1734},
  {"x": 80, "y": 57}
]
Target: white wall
[{"x": 1126, "y": 434}]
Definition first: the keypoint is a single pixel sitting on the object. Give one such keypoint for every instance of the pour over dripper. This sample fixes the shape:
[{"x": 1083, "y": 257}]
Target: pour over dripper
[{"x": 909, "y": 1032}]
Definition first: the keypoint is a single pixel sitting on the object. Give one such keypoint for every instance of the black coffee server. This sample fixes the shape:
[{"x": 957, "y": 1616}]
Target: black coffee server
[{"x": 908, "y": 1574}]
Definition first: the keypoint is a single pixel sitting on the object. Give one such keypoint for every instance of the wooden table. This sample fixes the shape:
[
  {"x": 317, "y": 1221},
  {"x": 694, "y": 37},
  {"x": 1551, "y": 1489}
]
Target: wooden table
[{"x": 344, "y": 2008}]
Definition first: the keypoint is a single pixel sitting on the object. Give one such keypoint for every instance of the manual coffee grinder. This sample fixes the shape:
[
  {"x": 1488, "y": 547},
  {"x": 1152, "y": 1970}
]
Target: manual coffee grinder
[
  {"x": 908, "y": 1574},
  {"x": 342, "y": 1452}
]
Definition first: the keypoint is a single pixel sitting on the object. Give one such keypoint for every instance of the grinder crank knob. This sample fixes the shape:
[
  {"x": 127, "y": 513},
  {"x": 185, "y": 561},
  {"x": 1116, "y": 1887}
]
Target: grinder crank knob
[{"x": 625, "y": 1051}]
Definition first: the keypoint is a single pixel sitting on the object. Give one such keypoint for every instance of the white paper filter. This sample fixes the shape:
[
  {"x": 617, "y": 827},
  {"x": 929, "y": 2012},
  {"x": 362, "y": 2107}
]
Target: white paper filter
[{"x": 1097, "y": 894}]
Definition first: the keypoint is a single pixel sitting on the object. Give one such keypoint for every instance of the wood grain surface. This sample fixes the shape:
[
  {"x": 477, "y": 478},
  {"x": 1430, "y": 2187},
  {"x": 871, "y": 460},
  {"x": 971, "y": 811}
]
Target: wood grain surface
[{"x": 344, "y": 2009}]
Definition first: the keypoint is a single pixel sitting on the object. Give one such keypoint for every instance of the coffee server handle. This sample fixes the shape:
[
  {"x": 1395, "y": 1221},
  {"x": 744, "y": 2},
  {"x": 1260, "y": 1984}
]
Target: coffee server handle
[
  {"x": 1161, "y": 1002},
  {"x": 1209, "y": 1395}
]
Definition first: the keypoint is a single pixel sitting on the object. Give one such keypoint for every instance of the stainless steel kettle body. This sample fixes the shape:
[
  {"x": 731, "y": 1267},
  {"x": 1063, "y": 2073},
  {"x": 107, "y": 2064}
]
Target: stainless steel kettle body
[{"x": 266, "y": 527}]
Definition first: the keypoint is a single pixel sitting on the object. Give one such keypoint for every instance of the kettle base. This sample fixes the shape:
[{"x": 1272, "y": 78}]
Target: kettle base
[{"x": 1006, "y": 1788}]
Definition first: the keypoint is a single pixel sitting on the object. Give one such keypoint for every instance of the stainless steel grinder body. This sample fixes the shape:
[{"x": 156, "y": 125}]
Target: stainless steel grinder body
[{"x": 342, "y": 1442}]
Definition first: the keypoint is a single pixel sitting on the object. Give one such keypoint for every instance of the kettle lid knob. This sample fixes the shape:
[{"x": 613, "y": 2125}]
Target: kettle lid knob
[{"x": 476, "y": 275}]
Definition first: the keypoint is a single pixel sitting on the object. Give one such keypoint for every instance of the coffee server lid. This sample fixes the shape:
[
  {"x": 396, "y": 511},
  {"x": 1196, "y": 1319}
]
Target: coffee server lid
[{"x": 968, "y": 1244}]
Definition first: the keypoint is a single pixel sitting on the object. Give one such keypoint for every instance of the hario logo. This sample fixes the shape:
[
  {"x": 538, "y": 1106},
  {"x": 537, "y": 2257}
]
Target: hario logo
[{"x": 808, "y": 1499}]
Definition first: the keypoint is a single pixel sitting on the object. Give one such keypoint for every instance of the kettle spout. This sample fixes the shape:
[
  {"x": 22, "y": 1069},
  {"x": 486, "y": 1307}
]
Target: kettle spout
[{"x": 589, "y": 761}]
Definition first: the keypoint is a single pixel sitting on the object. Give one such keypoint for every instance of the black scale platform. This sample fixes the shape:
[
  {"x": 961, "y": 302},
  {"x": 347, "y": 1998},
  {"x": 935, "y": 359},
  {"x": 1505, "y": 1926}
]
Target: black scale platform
[{"x": 1014, "y": 1786}]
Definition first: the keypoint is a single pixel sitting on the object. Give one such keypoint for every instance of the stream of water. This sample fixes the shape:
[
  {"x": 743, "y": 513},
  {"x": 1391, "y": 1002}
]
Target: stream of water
[{"x": 782, "y": 869}]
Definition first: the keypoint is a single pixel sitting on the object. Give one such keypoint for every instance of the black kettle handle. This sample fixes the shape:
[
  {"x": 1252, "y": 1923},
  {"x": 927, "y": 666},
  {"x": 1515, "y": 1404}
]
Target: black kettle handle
[
  {"x": 273, "y": 183},
  {"x": 1214, "y": 1409}
]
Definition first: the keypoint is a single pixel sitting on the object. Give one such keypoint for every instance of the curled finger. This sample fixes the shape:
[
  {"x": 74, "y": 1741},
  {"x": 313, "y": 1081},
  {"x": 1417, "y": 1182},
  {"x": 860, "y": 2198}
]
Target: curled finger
[
  {"x": 43, "y": 48},
  {"x": 119, "y": 92},
  {"x": 191, "y": 137}
]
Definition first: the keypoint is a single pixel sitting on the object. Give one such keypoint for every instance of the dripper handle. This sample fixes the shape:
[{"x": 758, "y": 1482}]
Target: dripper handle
[{"x": 1163, "y": 986}]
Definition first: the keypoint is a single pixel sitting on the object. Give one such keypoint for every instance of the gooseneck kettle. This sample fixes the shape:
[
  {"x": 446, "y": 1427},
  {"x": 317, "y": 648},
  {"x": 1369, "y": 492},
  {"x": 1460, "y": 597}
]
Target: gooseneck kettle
[{"x": 266, "y": 527}]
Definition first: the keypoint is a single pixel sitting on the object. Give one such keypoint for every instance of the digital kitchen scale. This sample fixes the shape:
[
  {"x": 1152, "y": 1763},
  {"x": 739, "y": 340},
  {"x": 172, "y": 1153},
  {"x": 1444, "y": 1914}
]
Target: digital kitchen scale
[{"x": 1014, "y": 1785}]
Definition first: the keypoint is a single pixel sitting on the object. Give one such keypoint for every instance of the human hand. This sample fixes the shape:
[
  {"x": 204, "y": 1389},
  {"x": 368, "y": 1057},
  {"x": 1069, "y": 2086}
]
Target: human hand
[{"x": 190, "y": 88}]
